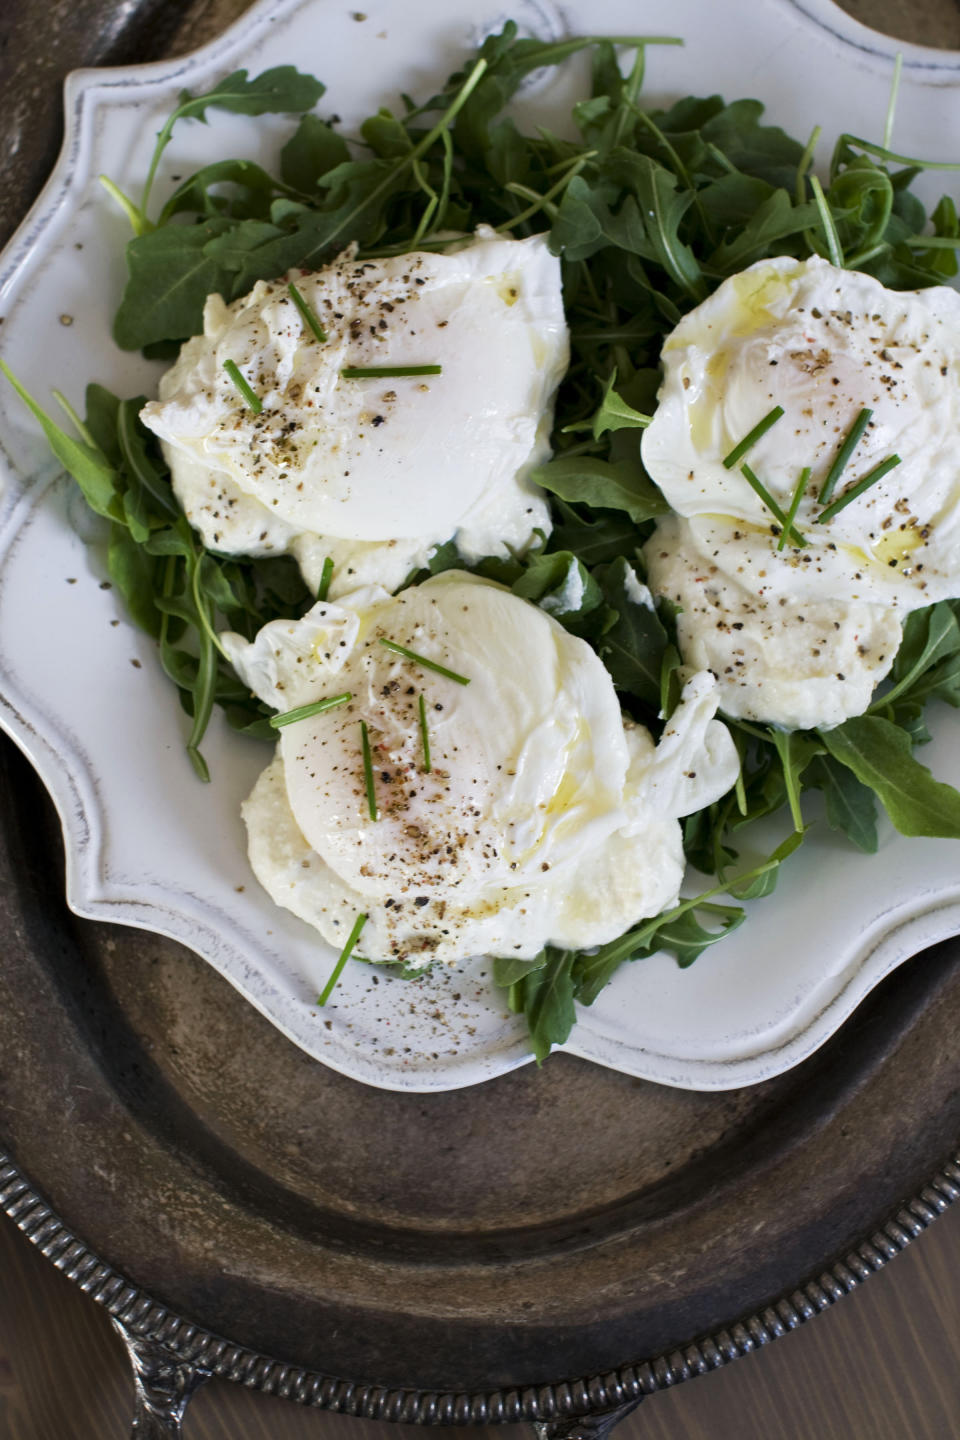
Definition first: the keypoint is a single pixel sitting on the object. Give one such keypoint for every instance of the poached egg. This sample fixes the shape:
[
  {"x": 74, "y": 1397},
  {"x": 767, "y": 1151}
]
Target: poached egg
[
  {"x": 373, "y": 473},
  {"x": 822, "y": 344},
  {"x": 545, "y": 815}
]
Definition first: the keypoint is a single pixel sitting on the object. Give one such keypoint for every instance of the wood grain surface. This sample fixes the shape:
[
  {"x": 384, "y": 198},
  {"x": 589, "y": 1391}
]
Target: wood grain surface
[{"x": 884, "y": 1364}]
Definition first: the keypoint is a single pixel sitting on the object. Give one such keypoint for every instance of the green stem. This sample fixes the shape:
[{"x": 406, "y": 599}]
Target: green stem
[
  {"x": 198, "y": 601},
  {"x": 827, "y": 222},
  {"x": 421, "y": 148},
  {"x": 882, "y": 153},
  {"x": 628, "y": 98},
  {"x": 81, "y": 428},
  {"x": 138, "y": 220},
  {"x": 806, "y": 160},
  {"x": 854, "y": 262},
  {"x": 892, "y": 102},
  {"x": 543, "y": 202}
]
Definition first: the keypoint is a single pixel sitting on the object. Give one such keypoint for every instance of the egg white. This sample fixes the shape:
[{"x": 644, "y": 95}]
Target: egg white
[
  {"x": 547, "y": 817},
  {"x": 821, "y": 343},
  {"x": 802, "y": 664},
  {"x": 373, "y": 473}
]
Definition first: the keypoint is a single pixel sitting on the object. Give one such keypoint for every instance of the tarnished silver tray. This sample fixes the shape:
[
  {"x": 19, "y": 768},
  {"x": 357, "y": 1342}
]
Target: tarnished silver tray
[{"x": 553, "y": 1244}]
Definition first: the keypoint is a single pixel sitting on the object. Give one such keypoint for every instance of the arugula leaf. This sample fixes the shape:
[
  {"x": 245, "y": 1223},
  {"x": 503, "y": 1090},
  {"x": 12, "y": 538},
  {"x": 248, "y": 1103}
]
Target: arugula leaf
[
  {"x": 850, "y": 805},
  {"x": 663, "y": 203},
  {"x": 943, "y": 263},
  {"x": 776, "y": 219},
  {"x": 615, "y": 413},
  {"x": 253, "y": 190},
  {"x": 879, "y": 754},
  {"x": 313, "y": 150},
  {"x": 602, "y": 485},
  {"x": 704, "y": 838},
  {"x": 795, "y": 750},
  {"x": 507, "y": 970},
  {"x": 96, "y": 478},
  {"x": 929, "y": 636},
  {"x": 595, "y": 537},
  {"x": 100, "y": 423},
  {"x": 585, "y": 223},
  {"x": 282, "y": 90},
  {"x": 686, "y": 938},
  {"x": 732, "y": 200},
  {"x": 544, "y": 994},
  {"x": 633, "y": 642},
  {"x": 762, "y": 880},
  {"x": 133, "y": 572},
  {"x": 560, "y": 584},
  {"x": 765, "y": 151},
  {"x": 171, "y": 275}
]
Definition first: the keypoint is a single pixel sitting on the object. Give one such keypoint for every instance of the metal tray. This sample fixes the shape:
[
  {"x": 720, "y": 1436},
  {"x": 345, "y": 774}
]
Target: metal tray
[{"x": 552, "y": 1243}]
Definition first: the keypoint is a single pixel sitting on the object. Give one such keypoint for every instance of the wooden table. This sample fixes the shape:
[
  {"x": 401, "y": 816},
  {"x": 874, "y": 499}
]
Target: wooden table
[{"x": 882, "y": 1365}]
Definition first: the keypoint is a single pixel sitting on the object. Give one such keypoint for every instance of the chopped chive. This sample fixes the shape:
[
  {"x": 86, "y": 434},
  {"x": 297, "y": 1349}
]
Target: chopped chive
[
  {"x": 422, "y": 660},
  {"x": 345, "y": 954},
  {"x": 368, "y": 770},
  {"x": 758, "y": 487},
  {"x": 798, "y": 494},
  {"x": 326, "y": 575},
  {"x": 388, "y": 372},
  {"x": 254, "y": 401},
  {"x": 757, "y": 433},
  {"x": 306, "y": 712},
  {"x": 424, "y": 735},
  {"x": 871, "y": 478},
  {"x": 843, "y": 455},
  {"x": 306, "y": 312}
]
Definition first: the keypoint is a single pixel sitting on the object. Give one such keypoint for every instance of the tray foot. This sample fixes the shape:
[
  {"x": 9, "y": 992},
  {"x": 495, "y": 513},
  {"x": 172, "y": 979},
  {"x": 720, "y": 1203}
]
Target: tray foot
[
  {"x": 164, "y": 1385},
  {"x": 586, "y": 1427}
]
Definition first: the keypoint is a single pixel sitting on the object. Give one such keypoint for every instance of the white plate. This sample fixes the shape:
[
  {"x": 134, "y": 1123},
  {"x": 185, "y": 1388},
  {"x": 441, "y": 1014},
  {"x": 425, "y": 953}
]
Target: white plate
[{"x": 147, "y": 844}]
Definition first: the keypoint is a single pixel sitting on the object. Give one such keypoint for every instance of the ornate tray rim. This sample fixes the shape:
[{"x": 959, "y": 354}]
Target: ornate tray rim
[
  {"x": 199, "y": 1354},
  {"x": 191, "y": 1347}
]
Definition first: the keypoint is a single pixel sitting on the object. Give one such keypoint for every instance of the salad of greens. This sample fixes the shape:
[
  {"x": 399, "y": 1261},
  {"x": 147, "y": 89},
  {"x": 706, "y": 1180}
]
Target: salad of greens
[{"x": 649, "y": 210}]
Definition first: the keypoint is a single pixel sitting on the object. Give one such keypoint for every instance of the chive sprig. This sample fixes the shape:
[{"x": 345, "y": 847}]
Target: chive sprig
[
  {"x": 850, "y": 443},
  {"x": 758, "y": 487},
  {"x": 250, "y": 396},
  {"x": 871, "y": 478},
  {"x": 326, "y": 575},
  {"x": 751, "y": 438},
  {"x": 798, "y": 495},
  {"x": 422, "y": 660},
  {"x": 307, "y": 313},
  {"x": 345, "y": 954},
  {"x": 424, "y": 735},
  {"x": 368, "y": 770},
  {"x": 306, "y": 712},
  {"x": 388, "y": 372}
]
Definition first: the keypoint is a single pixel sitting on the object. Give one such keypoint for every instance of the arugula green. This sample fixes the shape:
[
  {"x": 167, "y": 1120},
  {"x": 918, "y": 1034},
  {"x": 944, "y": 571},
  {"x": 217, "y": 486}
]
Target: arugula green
[
  {"x": 545, "y": 988},
  {"x": 173, "y": 588}
]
